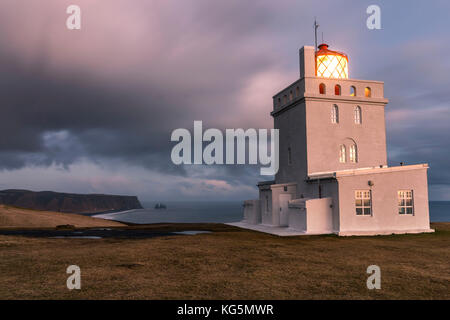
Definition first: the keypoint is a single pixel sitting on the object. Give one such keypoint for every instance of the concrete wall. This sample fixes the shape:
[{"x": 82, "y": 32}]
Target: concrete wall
[
  {"x": 292, "y": 126},
  {"x": 385, "y": 216},
  {"x": 306, "y": 55},
  {"x": 319, "y": 216},
  {"x": 252, "y": 211},
  {"x": 329, "y": 190},
  {"x": 277, "y": 190},
  {"x": 376, "y": 87},
  {"x": 297, "y": 219},
  {"x": 265, "y": 196},
  {"x": 325, "y": 138},
  {"x": 313, "y": 216}
]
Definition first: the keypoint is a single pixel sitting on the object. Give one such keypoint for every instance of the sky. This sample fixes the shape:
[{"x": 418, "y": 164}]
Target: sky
[{"x": 92, "y": 110}]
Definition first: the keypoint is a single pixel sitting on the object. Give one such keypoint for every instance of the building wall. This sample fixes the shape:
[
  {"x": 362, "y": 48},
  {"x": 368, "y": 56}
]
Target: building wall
[
  {"x": 265, "y": 196},
  {"x": 324, "y": 138},
  {"x": 292, "y": 126},
  {"x": 277, "y": 190},
  {"x": 330, "y": 190},
  {"x": 319, "y": 215},
  {"x": 252, "y": 211},
  {"x": 385, "y": 216}
]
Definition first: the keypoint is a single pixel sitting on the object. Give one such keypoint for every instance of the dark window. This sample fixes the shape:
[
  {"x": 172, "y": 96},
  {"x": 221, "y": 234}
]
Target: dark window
[
  {"x": 337, "y": 90},
  {"x": 322, "y": 89}
]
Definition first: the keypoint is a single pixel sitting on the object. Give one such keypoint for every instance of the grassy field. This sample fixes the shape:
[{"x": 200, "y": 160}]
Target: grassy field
[
  {"x": 12, "y": 217},
  {"x": 229, "y": 263}
]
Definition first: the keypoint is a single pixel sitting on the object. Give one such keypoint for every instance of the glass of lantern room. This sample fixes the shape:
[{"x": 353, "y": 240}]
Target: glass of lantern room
[{"x": 331, "y": 64}]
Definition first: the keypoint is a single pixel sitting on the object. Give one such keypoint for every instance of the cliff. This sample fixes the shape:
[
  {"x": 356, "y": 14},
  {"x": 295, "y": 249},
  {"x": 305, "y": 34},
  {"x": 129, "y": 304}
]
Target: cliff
[{"x": 68, "y": 202}]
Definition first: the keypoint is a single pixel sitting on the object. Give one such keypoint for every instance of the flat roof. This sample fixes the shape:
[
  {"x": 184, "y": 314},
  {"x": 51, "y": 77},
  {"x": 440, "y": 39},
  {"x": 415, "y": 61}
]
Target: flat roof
[
  {"x": 362, "y": 171},
  {"x": 264, "y": 183}
]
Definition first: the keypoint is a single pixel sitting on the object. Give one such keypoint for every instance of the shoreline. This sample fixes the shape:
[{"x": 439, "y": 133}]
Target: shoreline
[{"x": 106, "y": 215}]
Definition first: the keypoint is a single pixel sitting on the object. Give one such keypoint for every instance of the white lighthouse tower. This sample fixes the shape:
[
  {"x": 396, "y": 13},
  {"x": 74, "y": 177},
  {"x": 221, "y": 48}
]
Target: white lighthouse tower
[{"x": 333, "y": 175}]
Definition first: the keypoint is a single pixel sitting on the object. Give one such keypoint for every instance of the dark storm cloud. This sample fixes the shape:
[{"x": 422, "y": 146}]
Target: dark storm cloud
[
  {"x": 96, "y": 120},
  {"x": 125, "y": 108}
]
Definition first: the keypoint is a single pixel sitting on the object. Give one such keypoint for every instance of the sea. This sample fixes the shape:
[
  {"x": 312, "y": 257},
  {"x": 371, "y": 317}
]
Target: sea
[{"x": 218, "y": 212}]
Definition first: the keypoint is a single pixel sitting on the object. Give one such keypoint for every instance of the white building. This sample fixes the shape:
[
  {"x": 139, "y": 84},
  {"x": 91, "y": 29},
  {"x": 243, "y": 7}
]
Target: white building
[{"x": 333, "y": 175}]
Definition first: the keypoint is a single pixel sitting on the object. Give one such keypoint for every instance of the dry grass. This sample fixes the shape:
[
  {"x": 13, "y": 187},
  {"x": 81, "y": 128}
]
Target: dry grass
[
  {"x": 12, "y": 217},
  {"x": 228, "y": 264}
]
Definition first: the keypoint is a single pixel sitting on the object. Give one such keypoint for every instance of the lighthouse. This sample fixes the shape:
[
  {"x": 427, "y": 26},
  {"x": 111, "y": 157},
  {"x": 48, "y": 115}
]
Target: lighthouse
[{"x": 333, "y": 175}]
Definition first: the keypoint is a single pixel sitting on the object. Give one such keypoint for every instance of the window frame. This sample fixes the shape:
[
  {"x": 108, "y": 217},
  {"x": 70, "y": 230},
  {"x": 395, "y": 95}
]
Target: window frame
[
  {"x": 342, "y": 154},
  {"x": 353, "y": 153},
  {"x": 358, "y": 115},
  {"x": 404, "y": 206},
  {"x": 360, "y": 195},
  {"x": 335, "y": 114}
]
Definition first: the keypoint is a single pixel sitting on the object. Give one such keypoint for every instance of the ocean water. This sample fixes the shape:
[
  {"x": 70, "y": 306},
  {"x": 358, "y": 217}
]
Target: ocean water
[
  {"x": 440, "y": 211},
  {"x": 222, "y": 212},
  {"x": 181, "y": 212}
]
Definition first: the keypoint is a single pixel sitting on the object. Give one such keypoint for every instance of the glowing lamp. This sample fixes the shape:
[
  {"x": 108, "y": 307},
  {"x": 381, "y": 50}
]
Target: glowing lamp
[{"x": 331, "y": 64}]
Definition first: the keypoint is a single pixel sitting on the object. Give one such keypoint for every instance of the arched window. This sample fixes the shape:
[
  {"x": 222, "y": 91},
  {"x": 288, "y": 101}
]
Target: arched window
[
  {"x": 297, "y": 91},
  {"x": 352, "y": 91},
  {"x": 279, "y": 101},
  {"x": 368, "y": 92},
  {"x": 358, "y": 115},
  {"x": 285, "y": 99},
  {"x": 353, "y": 153},
  {"x": 335, "y": 114},
  {"x": 322, "y": 89},
  {"x": 291, "y": 96},
  {"x": 337, "y": 90},
  {"x": 342, "y": 154}
]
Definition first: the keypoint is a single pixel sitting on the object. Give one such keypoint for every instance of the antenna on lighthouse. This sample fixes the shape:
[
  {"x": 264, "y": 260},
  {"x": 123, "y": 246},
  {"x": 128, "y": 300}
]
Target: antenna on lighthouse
[{"x": 316, "y": 26}]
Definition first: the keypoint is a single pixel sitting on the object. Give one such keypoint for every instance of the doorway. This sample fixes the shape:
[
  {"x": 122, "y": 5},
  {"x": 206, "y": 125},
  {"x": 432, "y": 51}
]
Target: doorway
[{"x": 284, "y": 209}]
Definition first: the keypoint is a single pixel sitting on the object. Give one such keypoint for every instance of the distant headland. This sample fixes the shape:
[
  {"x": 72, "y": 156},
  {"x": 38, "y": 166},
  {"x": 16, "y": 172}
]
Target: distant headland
[{"x": 68, "y": 202}]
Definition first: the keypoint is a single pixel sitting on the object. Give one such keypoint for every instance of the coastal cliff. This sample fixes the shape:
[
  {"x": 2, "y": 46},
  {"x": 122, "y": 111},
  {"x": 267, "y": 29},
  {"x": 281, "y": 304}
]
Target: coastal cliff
[{"x": 68, "y": 202}]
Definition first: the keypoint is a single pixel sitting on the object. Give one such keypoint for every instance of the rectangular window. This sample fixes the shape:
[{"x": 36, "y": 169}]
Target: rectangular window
[
  {"x": 405, "y": 202},
  {"x": 363, "y": 202}
]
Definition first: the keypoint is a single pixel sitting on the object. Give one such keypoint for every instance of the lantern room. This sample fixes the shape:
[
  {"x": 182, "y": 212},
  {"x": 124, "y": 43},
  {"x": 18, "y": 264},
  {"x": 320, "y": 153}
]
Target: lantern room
[{"x": 331, "y": 64}]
